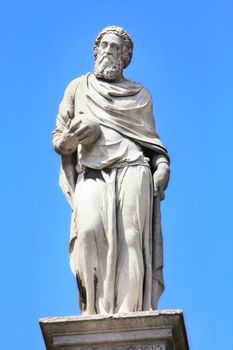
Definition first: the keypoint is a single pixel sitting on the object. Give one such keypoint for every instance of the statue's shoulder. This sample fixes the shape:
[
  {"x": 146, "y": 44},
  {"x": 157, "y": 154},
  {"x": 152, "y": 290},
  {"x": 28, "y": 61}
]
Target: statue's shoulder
[
  {"x": 144, "y": 90},
  {"x": 135, "y": 85},
  {"x": 74, "y": 84}
]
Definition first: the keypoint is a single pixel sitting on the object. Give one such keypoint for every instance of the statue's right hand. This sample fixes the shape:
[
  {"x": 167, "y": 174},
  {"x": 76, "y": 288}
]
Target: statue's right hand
[
  {"x": 69, "y": 141},
  {"x": 81, "y": 129},
  {"x": 86, "y": 129},
  {"x": 74, "y": 125}
]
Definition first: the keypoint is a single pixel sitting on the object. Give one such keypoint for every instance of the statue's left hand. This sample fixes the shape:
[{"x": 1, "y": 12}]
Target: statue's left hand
[{"x": 161, "y": 179}]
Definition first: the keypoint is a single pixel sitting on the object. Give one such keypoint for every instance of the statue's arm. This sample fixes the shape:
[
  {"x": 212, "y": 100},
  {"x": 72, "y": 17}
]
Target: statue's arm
[
  {"x": 64, "y": 142},
  {"x": 160, "y": 161}
]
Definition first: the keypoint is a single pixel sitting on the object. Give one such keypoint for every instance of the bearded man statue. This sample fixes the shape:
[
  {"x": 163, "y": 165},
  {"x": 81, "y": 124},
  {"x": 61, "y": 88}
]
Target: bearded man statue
[{"x": 114, "y": 172}]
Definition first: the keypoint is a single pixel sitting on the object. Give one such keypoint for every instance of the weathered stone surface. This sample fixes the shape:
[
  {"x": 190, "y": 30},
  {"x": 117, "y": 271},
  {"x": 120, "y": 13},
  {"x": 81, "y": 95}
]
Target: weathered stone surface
[{"x": 153, "y": 330}]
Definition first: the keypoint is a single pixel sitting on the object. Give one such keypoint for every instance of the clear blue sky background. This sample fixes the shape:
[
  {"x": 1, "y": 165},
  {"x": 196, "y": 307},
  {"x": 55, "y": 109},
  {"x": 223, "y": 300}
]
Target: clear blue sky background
[{"x": 184, "y": 56}]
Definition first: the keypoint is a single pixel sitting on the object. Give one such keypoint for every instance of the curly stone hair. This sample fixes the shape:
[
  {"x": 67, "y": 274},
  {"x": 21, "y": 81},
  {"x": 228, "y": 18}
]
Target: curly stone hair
[{"x": 127, "y": 47}]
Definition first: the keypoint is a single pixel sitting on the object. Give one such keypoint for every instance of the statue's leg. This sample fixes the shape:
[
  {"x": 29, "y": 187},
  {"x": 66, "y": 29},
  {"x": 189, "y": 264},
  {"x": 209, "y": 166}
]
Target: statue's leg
[
  {"x": 133, "y": 210},
  {"x": 91, "y": 243}
]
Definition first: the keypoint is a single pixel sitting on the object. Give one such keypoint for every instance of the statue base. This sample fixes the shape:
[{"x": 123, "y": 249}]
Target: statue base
[{"x": 153, "y": 330}]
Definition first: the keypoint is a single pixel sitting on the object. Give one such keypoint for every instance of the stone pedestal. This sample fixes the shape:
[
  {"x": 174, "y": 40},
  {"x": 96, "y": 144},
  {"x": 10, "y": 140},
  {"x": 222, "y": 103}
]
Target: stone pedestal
[{"x": 155, "y": 330}]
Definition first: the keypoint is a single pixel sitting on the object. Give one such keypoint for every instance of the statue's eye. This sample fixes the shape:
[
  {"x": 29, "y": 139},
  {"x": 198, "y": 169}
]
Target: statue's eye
[
  {"x": 115, "y": 46},
  {"x": 103, "y": 45}
]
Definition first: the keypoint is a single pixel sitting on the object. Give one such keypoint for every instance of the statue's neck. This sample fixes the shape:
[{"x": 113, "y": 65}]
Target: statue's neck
[{"x": 119, "y": 79}]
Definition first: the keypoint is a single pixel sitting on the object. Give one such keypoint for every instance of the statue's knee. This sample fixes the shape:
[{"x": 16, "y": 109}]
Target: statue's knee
[
  {"x": 85, "y": 235},
  {"x": 131, "y": 238}
]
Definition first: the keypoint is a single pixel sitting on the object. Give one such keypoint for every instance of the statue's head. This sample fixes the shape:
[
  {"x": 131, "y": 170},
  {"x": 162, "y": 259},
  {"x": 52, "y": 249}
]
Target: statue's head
[{"x": 113, "y": 51}]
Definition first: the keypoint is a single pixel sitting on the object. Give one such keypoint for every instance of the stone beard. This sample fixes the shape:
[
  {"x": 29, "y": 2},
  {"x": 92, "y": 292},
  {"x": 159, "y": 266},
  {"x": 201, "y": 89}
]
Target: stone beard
[
  {"x": 106, "y": 67},
  {"x": 114, "y": 171}
]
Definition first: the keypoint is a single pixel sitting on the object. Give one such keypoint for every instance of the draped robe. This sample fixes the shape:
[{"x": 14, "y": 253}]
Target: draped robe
[{"x": 126, "y": 108}]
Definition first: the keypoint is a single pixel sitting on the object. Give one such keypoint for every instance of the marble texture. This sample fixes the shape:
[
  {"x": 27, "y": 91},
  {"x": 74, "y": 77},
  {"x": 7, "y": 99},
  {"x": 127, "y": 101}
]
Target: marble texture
[
  {"x": 155, "y": 330},
  {"x": 114, "y": 171}
]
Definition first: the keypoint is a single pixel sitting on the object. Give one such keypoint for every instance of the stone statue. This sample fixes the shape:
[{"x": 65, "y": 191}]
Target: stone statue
[{"x": 114, "y": 172}]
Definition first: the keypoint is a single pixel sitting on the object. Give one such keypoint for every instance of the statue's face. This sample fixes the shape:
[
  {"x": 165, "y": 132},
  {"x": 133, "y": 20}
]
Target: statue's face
[
  {"x": 109, "y": 62},
  {"x": 110, "y": 44}
]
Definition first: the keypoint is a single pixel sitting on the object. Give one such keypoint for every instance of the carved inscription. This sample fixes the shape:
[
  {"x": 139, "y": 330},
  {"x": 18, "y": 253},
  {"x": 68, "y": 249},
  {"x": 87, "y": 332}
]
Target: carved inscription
[{"x": 132, "y": 347}]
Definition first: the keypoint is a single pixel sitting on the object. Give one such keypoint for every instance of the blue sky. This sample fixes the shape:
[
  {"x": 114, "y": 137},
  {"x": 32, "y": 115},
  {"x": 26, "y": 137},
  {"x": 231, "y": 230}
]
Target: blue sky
[{"x": 184, "y": 56}]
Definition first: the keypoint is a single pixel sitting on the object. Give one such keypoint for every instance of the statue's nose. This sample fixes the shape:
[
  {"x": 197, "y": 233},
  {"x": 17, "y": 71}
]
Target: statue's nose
[{"x": 108, "y": 50}]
